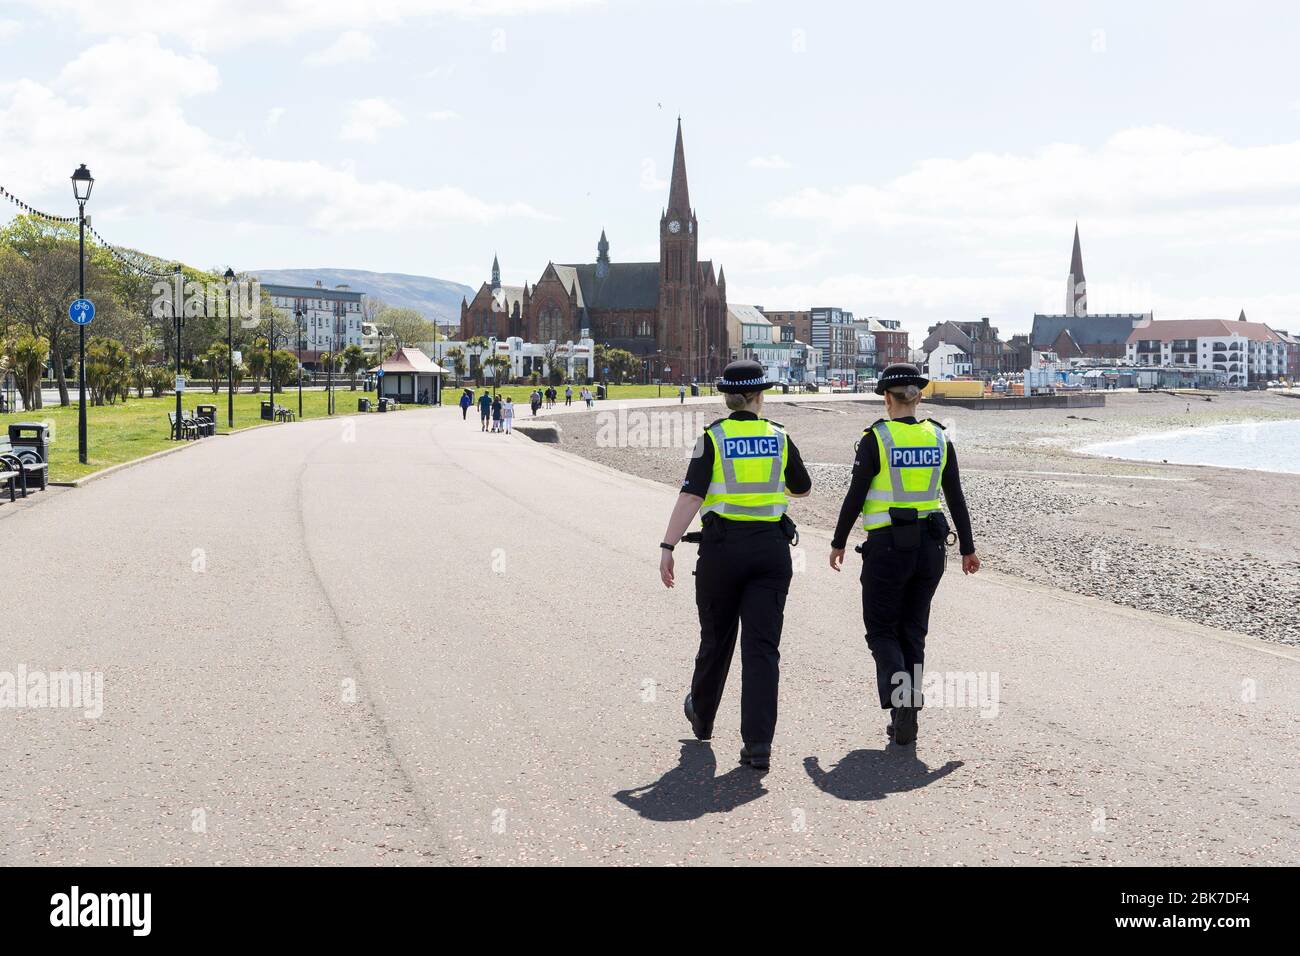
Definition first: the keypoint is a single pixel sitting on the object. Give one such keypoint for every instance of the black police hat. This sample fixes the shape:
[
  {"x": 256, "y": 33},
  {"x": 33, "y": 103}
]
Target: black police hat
[
  {"x": 744, "y": 375},
  {"x": 899, "y": 374}
]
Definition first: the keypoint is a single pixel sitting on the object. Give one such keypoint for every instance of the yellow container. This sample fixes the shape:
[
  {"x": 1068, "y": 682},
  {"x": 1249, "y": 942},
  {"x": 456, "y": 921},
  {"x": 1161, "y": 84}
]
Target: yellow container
[{"x": 954, "y": 389}]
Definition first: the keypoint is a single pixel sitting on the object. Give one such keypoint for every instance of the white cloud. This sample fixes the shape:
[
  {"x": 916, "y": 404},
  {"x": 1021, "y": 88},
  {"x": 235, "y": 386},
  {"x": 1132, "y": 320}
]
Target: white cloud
[
  {"x": 761, "y": 255},
  {"x": 212, "y": 23},
  {"x": 150, "y": 160},
  {"x": 350, "y": 47},
  {"x": 774, "y": 161},
  {"x": 1154, "y": 181},
  {"x": 441, "y": 116},
  {"x": 9, "y": 28},
  {"x": 273, "y": 116},
  {"x": 366, "y": 118}
]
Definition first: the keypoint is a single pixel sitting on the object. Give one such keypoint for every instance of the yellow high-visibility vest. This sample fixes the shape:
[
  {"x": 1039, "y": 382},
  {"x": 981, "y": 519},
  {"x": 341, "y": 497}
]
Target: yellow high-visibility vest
[
  {"x": 748, "y": 481},
  {"x": 911, "y": 465}
]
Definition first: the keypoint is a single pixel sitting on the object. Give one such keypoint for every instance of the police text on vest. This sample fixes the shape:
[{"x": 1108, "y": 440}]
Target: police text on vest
[
  {"x": 758, "y": 446},
  {"x": 924, "y": 457}
]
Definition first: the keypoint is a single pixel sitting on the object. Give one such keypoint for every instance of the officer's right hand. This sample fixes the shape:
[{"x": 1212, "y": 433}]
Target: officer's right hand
[
  {"x": 666, "y": 567},
  {"x": 837, "y": 558}
]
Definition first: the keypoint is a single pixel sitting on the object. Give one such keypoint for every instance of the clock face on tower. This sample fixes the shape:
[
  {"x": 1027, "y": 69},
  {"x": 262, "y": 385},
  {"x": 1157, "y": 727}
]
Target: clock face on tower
[{"x": 674, "y": 227}]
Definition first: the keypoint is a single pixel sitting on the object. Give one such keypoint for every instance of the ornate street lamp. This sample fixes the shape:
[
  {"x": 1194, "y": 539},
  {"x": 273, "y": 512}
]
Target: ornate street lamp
[
  {"x": 82, "y": 184},
  {"x": 230, "y": 349}
]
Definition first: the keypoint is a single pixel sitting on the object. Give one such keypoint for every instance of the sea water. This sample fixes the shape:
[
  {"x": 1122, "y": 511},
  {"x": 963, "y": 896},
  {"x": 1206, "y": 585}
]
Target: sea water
[{"x": 1259, "y": 446}]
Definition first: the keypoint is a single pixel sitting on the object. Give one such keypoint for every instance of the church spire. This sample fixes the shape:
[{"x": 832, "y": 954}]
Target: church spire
[
  {"x": 602, "y": 256},
  {"x": 496, "y": 273},
  {"x": 1076, "y": 292},
  {"x": 679, "y": 199}
]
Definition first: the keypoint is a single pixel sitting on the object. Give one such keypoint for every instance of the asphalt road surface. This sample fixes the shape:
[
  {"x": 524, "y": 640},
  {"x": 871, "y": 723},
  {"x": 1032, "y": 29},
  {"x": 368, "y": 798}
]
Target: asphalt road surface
[{"x": 393, "y": 639}]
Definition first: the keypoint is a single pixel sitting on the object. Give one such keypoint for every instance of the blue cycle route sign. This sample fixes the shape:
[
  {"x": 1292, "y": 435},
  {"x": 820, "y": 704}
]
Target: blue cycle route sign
[
  {"x": 82, "y": 311},
  {"x": 380, "y": 373}
]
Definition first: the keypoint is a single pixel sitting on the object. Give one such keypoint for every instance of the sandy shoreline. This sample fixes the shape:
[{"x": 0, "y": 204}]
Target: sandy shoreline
[{"x": 1212, "y": 545}]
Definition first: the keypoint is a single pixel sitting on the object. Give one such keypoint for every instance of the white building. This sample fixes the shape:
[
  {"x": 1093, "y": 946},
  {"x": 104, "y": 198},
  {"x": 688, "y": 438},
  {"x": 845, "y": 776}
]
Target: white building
[
  {"x": 947, "y": 361},
  {"x": 330, "y": 319},
  {"x": 1244, "y": 351},
  {"x": 576, "y": 359}
]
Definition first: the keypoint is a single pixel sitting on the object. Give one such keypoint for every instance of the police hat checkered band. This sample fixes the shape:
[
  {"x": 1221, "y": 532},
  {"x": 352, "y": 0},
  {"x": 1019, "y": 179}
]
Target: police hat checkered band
[{"x": 761, "y": 380}]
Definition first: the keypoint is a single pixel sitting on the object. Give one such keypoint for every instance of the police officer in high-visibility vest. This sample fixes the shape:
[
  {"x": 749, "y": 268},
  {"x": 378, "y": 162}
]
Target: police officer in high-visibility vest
[
  {"x": 742, "y": 473},
  {"x": 901, "y": 465}
]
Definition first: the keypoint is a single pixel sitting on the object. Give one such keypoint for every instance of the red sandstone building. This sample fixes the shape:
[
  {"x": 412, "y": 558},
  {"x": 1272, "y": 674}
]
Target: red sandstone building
[{"x": 672, "y": 312}]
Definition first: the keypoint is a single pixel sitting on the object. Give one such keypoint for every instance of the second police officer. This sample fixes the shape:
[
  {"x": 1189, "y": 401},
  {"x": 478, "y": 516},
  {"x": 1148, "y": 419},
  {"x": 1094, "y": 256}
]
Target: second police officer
[
  {"x": 900, "y": 467},
  {"x": 742, "y": 472}
]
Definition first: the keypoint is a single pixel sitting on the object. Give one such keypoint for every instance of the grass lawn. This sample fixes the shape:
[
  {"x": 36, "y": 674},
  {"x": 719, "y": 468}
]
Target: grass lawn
[{"x": 138, "y": 427}]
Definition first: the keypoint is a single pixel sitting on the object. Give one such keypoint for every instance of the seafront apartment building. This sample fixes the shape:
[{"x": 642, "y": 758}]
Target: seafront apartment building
[
  {"x": 331, "y": 317},
  {"x": 1245, "y": 352}
]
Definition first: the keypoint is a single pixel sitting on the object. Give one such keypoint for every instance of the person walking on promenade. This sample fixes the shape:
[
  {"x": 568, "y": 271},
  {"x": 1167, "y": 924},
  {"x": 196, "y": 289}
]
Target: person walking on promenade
[
  {"x": 900, "y": 466},
  {"x": 508, "y": 414},
  {"x": 496, "y": 414},
  {"x": 681, "y": 394},
  {"x": 484, "y": 410},
  {"x": 741, "y": 476},
  {"x": 568, "y": 395},
  {"x": 465, "y": 402}
]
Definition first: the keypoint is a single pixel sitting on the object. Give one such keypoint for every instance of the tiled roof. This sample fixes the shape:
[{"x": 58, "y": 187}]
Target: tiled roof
[
  {"x": 412, "y": 360},
  {"x": 1167, "y": 330},
  {"x": 627, "y": 285},
  {"x": 1085, "y": 330}
]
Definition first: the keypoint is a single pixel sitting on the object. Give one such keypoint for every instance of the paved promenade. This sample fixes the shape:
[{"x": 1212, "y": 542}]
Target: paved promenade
[{"x": 393, "y": 639}]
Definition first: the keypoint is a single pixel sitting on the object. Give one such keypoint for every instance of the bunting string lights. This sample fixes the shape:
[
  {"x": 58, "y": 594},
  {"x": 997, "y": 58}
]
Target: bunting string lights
[{"x": 117, "y": 253}]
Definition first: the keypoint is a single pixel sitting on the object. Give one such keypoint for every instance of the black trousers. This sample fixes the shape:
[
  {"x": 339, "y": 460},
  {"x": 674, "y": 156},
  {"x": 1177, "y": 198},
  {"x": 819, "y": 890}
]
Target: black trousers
[
  {"x": 741, "y": 581},
  {"x": 897, "y": 587}
]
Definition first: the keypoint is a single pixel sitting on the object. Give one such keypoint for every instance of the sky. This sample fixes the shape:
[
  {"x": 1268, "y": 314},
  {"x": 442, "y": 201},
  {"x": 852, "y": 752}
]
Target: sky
[{"x": 919, "y": 162}]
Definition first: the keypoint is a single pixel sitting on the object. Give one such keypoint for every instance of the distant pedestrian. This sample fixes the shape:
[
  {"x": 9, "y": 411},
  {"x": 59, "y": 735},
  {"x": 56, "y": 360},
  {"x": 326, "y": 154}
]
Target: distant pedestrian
[
  {"x": 681, "y": 394},
  {"x": 568, "y": 395},
  {"x": 496, "y": 414},
  {"x": 484, "y": 410},
  {"x": 508, "y": 415},
  {"x": 465, "y": 402},
  {"x": 535, "y": 401}
]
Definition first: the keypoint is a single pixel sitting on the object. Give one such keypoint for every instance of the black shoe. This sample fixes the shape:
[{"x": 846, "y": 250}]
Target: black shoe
[
  {"x": 904, "y": 725},
  {"x": 756, "y": 755},
  {"x": 702, "y": 730}
]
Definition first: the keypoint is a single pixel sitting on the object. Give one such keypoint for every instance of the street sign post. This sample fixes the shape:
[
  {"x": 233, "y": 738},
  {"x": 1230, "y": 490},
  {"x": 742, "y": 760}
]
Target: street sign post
[{"x": 82, "y": 311}]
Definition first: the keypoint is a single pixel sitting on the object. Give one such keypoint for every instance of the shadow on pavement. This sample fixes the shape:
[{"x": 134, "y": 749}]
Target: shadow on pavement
[
  {"x": 690, "y": 790},
  {"x": 874, "y": 774}
]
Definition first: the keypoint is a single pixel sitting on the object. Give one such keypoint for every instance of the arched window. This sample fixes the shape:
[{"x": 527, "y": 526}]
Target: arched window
[{"x": 550, "y": 324}]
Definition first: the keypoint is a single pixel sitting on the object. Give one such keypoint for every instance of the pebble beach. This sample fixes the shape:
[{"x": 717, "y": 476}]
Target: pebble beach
[{"x": 1213, "y": 545}]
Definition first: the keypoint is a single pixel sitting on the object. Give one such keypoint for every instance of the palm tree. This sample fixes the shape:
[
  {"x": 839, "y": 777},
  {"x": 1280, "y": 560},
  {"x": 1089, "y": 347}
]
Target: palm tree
[
  {"x": 478, "y": 345},
  {"x": 27, "y": 355},
  {"x": 354, "y": 360},
  {"x": 140, "y": 358},
  {"x": 499, "y": 365},
  {"x": 456, "y": 358},
  {"x": 214, "y": 364},
  {"x": 258, "y": 358}
]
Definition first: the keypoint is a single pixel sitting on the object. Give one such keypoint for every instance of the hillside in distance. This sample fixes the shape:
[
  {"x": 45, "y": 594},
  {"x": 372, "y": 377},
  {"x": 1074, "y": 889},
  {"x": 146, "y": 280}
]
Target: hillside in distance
[{"x": 437, "y": 299}]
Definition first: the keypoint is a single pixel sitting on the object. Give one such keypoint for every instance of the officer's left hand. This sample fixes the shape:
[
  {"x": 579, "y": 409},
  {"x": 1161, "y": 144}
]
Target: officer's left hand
[
  {"x": 970, "y": 563},
  {"x": 666, "y": 567},
  {"x": 837, "y": 558}
]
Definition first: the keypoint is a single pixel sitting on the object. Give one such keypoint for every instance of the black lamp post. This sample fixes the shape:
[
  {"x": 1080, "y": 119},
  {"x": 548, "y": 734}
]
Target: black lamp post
[
  {"x": 302, "y": 330},
  {"x": 82, "y": 184},
  {"x": 270, "y": 360},
  {"x": 176, "y": 318},
  {"x": 230, "y": 349}
]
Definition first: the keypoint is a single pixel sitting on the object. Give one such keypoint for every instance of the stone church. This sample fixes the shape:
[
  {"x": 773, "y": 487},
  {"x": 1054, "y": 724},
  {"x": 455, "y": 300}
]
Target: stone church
[{"x": 670, "y": 313}]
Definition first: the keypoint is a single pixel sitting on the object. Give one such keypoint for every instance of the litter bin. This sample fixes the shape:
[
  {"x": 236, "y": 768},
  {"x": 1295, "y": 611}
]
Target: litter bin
[
  {"x": 600, "y": 392},
  {"x": 695, "y": 390},
  {"x": 383, "y": 405},
  {"x": 268, "y": 411},
  {"x": 206, "y": 412},
  {"x": 30, "y": 442},
  {"x": 785, "y": 388},
  {"x": 363, "y": 404}
]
